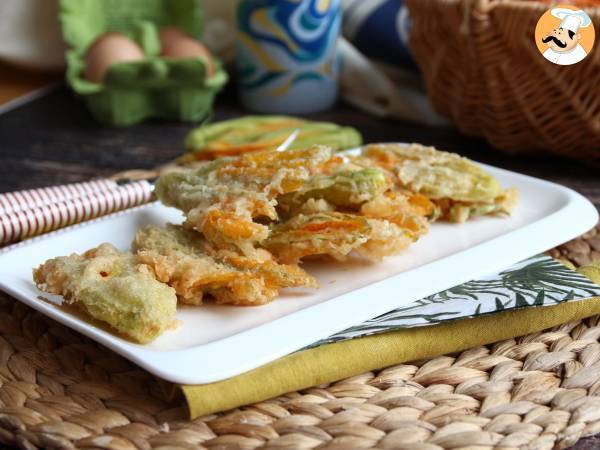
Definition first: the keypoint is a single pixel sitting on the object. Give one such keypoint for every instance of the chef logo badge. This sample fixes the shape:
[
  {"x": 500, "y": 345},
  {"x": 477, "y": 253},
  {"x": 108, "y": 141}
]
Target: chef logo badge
[{"x": 564, "y": 35}]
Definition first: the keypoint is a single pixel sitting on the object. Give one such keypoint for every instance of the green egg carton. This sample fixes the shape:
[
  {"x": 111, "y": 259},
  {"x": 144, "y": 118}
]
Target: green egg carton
[{"x": 159, "y": 87}]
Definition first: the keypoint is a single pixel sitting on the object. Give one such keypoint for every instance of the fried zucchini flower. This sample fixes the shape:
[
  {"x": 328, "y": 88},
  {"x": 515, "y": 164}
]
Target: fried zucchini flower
[
  {"x": 186, "y": 261},
  {"x": 223, "y": 199},
  {"x": 460, "y": 188},
  {"x": 335, "y": 234},
  {"x": 112, "y": 287}
]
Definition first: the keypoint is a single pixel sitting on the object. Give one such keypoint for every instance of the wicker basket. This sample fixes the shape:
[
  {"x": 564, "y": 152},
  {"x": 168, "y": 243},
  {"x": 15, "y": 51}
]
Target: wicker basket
[{"x": 483, "y": 70}]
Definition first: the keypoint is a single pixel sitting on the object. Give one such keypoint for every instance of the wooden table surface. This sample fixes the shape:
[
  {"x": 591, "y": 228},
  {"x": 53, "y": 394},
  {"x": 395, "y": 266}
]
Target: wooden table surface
[
  {"x": 54, "y": 140},
  {"x": 16, "y": 82}
]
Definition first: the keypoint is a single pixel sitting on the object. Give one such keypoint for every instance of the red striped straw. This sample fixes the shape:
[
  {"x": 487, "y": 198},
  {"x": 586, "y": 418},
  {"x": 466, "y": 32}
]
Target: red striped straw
[
  {"x": 12, "y": 202},
  {"x": 25, "y": 223}
]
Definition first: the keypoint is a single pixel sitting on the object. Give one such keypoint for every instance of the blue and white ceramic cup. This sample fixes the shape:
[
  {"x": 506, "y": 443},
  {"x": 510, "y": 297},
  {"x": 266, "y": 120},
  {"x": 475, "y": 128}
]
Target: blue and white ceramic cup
[{"x": 287, "y": 60}]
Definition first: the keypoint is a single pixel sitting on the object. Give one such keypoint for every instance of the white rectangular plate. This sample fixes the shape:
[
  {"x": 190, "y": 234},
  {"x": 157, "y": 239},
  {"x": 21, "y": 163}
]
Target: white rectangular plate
[{"x": 217, "y": 342}]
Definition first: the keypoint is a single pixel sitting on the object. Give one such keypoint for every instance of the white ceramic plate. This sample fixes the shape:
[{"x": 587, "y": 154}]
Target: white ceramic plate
[{"x": 217, "y": 342}]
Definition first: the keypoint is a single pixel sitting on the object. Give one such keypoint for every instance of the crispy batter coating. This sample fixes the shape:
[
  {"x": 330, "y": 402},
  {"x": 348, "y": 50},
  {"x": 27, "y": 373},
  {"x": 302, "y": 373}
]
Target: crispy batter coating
[
  {"x": 313, "y": 206},
  {"x": 460, "y": 212},
  {"x": 434, "y": 173},
  {"x": 187, "y": 262},
  {"x": 458, "y": 187},
  {"x": 385, "y": 239},
  {"x": 408, "y": 211},
  {"x": 345, "y": 189},
  {"x": 112, "y": 287},
  {"x": 222, "y": 199},
  {"x": 335, "y": 234}
]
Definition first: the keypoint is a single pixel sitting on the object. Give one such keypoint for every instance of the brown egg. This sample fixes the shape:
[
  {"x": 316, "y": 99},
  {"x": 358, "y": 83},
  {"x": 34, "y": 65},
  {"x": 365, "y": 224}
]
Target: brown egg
[
  {"x": 170, "y": 34},
  {"x": 175, "y": 43},
  {"x": 108, "y": 49}
]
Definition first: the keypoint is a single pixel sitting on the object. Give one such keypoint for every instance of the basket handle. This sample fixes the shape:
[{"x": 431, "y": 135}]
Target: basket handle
[
  {"x": 470, "y": 7},
  {"x": 465, "y": 25}
]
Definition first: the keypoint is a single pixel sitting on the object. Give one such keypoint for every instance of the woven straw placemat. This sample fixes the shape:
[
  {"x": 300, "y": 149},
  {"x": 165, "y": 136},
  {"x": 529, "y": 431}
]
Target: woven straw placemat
[{"x": 59, "y": 389}]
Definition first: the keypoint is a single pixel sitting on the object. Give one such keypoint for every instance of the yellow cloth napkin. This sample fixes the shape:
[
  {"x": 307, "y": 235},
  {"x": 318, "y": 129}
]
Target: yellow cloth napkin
[{"x": 343, "y": 359}]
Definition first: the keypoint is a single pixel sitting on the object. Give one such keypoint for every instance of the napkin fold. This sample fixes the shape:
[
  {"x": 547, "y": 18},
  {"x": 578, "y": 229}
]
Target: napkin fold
[{"x": 348, "y": 355}]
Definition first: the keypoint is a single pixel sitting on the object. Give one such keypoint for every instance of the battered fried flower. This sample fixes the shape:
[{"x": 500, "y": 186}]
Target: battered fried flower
[
  {"x": 435, "y": 173},
  {"x": 335, "y": 234},
  {"x": 460, "y": 212},
  {"x": 385, "y": 239},
  {"x": 222, "y": 199},
  {"x": 344, "y": 189},
  {"x": 459, "y": 187},
  {"x": 332, "y": 234},
  {"x": 112, "y": 287},
  {"x": 184, "y": 260},
  {"x": 411, "y": 212}
]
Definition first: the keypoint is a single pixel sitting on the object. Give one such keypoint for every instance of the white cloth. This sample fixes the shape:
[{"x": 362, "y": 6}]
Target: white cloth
[
  {"x": 566, "y": 58},
  {"x": 382, "y": 90}
]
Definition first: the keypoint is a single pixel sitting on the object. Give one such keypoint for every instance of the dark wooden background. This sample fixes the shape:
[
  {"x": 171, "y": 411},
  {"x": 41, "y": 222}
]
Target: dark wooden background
[{"x": 53, "y": 140}]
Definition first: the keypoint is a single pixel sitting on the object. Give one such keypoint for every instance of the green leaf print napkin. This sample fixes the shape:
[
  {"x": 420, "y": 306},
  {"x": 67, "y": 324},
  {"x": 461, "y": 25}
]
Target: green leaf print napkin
[
  {"x": 530, "y": 296},
  {"x": 537, "y": 281}
]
